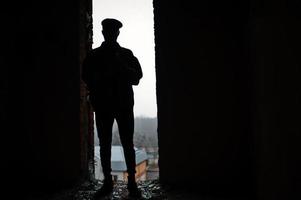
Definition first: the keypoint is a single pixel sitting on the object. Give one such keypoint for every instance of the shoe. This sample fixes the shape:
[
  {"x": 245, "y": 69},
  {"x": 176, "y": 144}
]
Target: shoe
[
  {"x": 106, "y": 189},
  {"x": 134, "y": 191}
]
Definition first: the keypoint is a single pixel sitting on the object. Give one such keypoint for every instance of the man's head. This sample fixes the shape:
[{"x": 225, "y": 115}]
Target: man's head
[{"x": 110, "y": 29}]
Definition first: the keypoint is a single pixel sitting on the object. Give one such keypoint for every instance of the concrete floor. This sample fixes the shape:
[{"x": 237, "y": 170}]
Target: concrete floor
[{"x": 151, "y": 190}]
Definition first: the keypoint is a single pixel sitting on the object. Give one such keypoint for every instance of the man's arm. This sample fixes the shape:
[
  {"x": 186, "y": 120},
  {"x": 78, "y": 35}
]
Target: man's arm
[{"x": 133, "y": 69}]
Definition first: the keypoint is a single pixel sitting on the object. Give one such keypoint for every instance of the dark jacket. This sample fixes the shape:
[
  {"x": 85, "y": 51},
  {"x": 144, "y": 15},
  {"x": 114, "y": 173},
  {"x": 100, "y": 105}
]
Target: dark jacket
[{"x": 109, "y": 72}]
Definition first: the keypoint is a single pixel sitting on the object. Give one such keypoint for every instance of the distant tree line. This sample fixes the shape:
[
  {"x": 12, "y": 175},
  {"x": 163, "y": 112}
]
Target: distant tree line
[{"x": 145, "y": 135}]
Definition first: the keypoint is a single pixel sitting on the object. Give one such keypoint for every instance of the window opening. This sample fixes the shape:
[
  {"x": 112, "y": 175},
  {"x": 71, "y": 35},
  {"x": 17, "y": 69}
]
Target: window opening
[{"x": 136, "y": 34}]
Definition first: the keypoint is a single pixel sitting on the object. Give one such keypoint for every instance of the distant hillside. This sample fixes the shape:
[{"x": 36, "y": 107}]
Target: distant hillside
[{"x": 145, "y": 133}]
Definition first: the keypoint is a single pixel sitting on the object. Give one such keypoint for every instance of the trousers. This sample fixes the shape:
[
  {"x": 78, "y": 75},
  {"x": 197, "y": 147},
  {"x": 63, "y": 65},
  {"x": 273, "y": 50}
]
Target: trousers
[{"x": 104, "y": 124}]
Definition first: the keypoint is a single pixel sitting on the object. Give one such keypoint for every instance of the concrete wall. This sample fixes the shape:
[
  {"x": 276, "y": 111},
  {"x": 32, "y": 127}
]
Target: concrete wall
[
  {"x": 228, "y": 89},
  {"x": 275, "y": 44},
  {"x": 41, "y": 65}
]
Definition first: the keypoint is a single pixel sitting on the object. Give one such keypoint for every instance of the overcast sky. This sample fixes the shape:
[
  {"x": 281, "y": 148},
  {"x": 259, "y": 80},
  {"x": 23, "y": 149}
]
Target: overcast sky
[{"x": 136, "y": 34}]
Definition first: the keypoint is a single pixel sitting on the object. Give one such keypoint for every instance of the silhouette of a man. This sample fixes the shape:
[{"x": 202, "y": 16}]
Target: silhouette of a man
[{"x": 109, "y": 72}]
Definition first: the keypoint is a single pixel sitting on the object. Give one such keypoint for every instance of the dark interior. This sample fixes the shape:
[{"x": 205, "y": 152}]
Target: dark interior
[{"x": 228, "y": 94}]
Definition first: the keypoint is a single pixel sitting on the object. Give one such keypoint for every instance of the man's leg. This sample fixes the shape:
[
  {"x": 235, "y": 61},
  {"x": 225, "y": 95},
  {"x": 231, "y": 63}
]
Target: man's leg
[
  {"x": 125, "y": 120},
  {"x": 104, "y": 123}
]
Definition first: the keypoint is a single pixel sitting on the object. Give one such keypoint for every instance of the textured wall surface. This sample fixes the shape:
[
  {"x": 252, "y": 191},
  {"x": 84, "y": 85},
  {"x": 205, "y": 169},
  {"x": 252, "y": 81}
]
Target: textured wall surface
[
  {"x": 203, "y": 95},
  {"x": 275, "y": 44},
  {"x": 228, "y": 89},
  {"x": 41, "y": 62}
]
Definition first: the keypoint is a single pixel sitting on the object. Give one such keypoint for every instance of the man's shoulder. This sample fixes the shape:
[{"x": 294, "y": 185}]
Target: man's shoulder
[
  {"x": 125, "y": 50},
  {"x": 94, "y": 53},
  {"x": 96, "y": 50}
]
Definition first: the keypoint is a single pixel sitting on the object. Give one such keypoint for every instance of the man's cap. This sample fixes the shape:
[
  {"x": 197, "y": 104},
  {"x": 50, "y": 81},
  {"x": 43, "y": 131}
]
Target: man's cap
[{"x": 111, "y": 24}]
